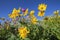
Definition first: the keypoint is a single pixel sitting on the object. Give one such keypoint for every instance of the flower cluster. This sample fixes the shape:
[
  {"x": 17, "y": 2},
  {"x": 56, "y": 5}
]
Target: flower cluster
[
  {"x": 24, "y": 25},
  {"x": 42, "y": 9},
  {"x": 14, "y": 13},
  {"x": 23, "y": 32}
]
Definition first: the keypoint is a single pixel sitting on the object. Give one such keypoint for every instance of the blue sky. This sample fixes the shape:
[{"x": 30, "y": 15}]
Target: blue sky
[{"x": 6, "y": 6}]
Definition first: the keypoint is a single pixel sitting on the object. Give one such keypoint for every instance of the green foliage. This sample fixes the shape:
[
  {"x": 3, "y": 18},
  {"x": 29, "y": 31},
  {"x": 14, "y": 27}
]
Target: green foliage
[{"x": 44, "y": 30}]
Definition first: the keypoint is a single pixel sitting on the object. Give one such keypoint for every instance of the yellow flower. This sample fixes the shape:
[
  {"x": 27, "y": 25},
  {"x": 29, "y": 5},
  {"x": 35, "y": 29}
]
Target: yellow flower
[
  {"x": 26, "y": 12},
  {"x": 32, "y": 13},
  {"x": 23, "y": 32},
  {"x": 12, "y": 16},
  {"x": 18, "y": 10},
  {"x": 34, "y": 20},
  {"x": 41, "y": 14},
  {"x": 42, "y": 7},
  {"x": 14, "y": 13},
  {"x": 56, "y": 12}
]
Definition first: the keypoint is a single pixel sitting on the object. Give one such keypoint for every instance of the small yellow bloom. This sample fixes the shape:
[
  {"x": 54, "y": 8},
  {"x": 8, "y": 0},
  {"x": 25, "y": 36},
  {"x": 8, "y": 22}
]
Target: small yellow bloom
[
  {"x": 14, "y": 10},
  {"x": 26, "y": 12},
  {"x": 32, "y": 13},
  {"x": 34, "y": 20},
  {"x": 42, "y": 7},
  {"x": 18, "y": 10},
  {"x": 41, "y": 14},
  {"x": 23, "y": 32},
  {"x": 56, "y": 12},
  {"x": 14, "y": 13},
  {"x": 12, "y": 16}
]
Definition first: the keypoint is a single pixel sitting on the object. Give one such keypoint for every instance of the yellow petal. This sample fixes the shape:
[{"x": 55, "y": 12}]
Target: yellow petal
[
  {"x": 56, "y": 12},
  {"x": 41, "y": 14},
  {"x": 14, "y": 10},
  {"x": 42, "y": 7},
  {"x": 23, "y": 32},
  {"x": 34, "y": 20},
  {"x": 19, "y": 10},
  {"x": 26, "y": 12},
  {"x": 32, "y": 12}
]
